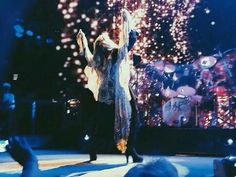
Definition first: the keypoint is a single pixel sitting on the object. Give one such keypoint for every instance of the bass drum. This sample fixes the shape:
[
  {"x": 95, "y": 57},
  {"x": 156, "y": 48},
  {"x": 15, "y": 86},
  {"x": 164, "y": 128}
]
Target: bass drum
[{"x": 176, "y": 112}]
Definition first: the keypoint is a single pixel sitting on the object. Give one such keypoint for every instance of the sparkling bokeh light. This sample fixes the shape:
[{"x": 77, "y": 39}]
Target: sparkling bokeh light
[
  {"x": 165, "y": 28},
  {"x": 162, "y": 27}
]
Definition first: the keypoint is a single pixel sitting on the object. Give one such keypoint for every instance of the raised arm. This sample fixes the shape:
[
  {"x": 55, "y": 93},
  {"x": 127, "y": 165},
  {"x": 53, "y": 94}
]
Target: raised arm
[
  {"x": 83, "y": 46},
  {"x": 21, "y": 151},
  {"x": 126, "y": 27},
  {"x": 128, "y": 35}
]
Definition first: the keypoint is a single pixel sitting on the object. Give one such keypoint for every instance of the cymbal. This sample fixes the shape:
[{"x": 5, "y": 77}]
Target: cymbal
[
  {"x": 159, "y": 65},
  {"x": 207, "y": 62},
  {"x": 230, "y": 54},
  {"x": 186, "y": 91},
  {"x": 196, "y": 64},
  {"x": 169, "y": 68},
  {"x": 169, "y": 93}
]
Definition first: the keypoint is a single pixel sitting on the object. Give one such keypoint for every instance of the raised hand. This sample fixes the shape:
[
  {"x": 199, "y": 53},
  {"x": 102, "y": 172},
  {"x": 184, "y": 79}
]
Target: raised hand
[
  {"x": 82, "y": 37},
  {"x": 20, "y": 151},
  {"x": 126, "y": 15}
]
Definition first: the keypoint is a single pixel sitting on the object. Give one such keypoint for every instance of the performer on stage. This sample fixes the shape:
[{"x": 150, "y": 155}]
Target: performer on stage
[
  {"x": 108, "y": 73},
  {"x": 7, "y": 107}
]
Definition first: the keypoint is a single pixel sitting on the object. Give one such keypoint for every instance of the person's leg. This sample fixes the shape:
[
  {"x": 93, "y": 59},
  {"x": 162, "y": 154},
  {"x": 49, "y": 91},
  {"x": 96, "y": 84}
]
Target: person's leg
[
  {"x": 134, "y": 126},
  {"x": 94, "y": 133},
  {"x": 108, "y": 126},
  {"x": 102, "y": 134},
  {"x": 3, "y": 124},
  {"x": 11, "y": 126}
]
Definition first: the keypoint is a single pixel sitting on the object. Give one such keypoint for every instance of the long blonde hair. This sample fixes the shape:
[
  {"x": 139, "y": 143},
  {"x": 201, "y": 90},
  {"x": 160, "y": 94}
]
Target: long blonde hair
[{"x": 103, "y": 47}]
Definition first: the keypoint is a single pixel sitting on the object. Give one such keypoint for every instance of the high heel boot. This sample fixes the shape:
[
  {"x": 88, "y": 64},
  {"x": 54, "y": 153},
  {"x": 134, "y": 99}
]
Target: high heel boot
[
  {"x": 92, "y": 157},
  {"x": 92, "y": 149},
  {"x": 132, "y": 152}
]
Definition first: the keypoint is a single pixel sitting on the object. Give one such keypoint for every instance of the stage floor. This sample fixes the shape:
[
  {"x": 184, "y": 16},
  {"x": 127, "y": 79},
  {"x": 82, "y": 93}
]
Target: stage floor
[{"x": 59, "y": 163}]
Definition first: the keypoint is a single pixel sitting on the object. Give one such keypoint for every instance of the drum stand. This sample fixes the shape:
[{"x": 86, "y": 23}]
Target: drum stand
[{"x": 196, "y": 115}]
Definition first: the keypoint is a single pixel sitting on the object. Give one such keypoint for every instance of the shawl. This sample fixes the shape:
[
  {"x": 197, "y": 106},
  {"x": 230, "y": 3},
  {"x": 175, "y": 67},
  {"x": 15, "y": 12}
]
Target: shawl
[{"x": 121, "y": 79}]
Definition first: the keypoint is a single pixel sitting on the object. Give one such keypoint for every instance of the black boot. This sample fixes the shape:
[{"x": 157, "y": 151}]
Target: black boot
[
  {"x": 132, "y": 152},
  {"x": 92, "y": 150},
  {"x": 92, "y": 157},
  {"x": 134, "y": 124}
]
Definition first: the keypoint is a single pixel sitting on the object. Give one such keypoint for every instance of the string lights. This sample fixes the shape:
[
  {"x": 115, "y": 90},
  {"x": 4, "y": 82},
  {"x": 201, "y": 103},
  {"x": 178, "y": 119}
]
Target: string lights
[
  {"x": 162, "y": 27},
  {"x": 155, "y": 21},
  {"x": 158, "y": 20},
  {"x": 163, "y": 35}
]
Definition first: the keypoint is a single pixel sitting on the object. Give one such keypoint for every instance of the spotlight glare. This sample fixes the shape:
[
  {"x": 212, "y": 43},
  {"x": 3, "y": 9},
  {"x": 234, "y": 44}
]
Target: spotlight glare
[
  {"x": 75, "y": 54},
  {"x": 19, "y": 35},
  {"x": 87, "y": 19},
  {"x": 29, "y": 33},
  {"x": 83, "y": 16},
  {"x": 67, "y": 16},
  {"x": 79, "y": 70},
  {"x": 207, "y": 10},
  {"x": 86, "y": 137},
  {"x": 213, "y": 23},
  {"x": 58, "y": 47},
  {"x": 63, "y": 35},
  {"x": 64, "y": 11},
  {"x": 59, "y": 6},
  {"x": 73, "y": 4},
  {"x": 230, "y": 141},
  {"x": 15, "y": 77},
  {"x": 77, "y": 62},
  {"x": 65, "y": 40},
  {"x": 72, "y": 46},
  {"x": 71, "y": 10}
]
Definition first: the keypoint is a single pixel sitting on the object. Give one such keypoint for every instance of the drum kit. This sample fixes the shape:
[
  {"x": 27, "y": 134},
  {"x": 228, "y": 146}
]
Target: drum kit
[
  {"x": 169, "y": 68},
  {"x": 161, "y": 65},
  {"x": 212, "y": 95},
  {"x": 207, "y": 62},
  {"x": 177, "y": 111},
  {"x": 183, "y": 104},
  {"x": 186, "y": 91}
]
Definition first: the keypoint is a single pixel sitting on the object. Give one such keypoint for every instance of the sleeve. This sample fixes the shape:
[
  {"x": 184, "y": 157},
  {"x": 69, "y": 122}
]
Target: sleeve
[
  {"x": 132, "y": 39},
  {"x": 83, "y": 46},
  {"x": 88, "y": 55},
  {"x": 127, "y": 35}
]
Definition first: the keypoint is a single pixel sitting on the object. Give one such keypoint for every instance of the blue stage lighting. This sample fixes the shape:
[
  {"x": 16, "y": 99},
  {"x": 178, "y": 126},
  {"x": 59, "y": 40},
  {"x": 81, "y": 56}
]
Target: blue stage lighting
[
  {"x": 29, "y": 33},
  {"x": 49, "y": 40},
  {"x": 19, "y": 35},
  {"x": 19, "y": 29},
  {"x": 38, "y": 37}
]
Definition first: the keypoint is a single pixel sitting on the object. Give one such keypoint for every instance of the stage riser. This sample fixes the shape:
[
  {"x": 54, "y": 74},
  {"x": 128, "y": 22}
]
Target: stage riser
[{"x": 187, "y": 141}]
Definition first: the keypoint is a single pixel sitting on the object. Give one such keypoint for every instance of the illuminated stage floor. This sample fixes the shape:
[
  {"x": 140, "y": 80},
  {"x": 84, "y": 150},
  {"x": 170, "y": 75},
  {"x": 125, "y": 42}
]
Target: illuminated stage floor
[{"x": 71, "y": 163}]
